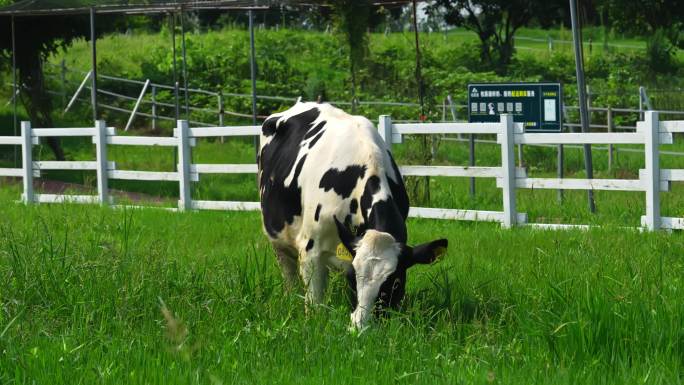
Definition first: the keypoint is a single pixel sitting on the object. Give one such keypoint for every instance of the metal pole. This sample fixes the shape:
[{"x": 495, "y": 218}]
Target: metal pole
[
  {"x": 419, "y": 76},
  {"x": 175, "y": 84},
  {"x": 421, "y": 96},
  {"x": 581, "y": 90},
  {"x": 175, "y": 72},
  {"x": 471, "y": 145},
  {"x": 93, "y": 73},
  {"x": 560, "y": 161},
  {"x": 137, "y": 105},
  {"x": 154, "y": 108},
  {"x": 589, "y": 105},
  {"x": 610, "y": 146},
  {"x": 252, "y": 68},
  {"x": 220, "y": 112},
  {"x": 185, "y": 66},
  {"x": 560, "y": 170},
  {"x": 14, "y": 88},
  {"x": 62, "y": 78},
  {"x": 78, "y": 91},
  {"x": 641, "y": 104},
  {"x": 471, "y": 161}
]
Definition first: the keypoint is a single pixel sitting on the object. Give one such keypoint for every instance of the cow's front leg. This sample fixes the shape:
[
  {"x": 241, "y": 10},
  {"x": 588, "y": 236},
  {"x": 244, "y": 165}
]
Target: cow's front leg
[{"x": 314, "y": 274}]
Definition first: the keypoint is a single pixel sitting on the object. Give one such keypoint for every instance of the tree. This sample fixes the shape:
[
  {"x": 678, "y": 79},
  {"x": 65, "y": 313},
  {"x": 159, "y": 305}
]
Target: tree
[
  {"x": 647, "y": 16},
  {"x": 36, "y": 39},
  {"x": 494, "y": 21},
  {"x": 351, "y": 18},
  {"x": 662, "y": 21}
]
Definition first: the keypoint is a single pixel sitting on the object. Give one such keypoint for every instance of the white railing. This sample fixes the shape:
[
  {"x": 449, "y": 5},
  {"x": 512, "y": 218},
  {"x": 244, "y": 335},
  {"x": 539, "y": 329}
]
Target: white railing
[{"x": 650, "y": 133}]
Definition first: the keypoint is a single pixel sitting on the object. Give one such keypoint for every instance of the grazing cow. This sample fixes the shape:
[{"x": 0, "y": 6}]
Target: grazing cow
[{"x": 327, "y": 179}]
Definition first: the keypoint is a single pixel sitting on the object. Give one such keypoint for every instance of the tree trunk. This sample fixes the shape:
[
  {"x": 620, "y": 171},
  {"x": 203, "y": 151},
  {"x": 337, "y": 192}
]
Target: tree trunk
[
  {"x": 505, "y": 53},
  {"x": 34, "y": 96},
  {"x": 485, "y": 50}
]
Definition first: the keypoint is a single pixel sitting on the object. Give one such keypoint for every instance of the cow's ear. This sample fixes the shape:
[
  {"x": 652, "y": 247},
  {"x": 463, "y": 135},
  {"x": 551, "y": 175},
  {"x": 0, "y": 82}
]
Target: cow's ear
[
  {"x": 427, "y": 252},
  {"x": 348, "y": 239}
]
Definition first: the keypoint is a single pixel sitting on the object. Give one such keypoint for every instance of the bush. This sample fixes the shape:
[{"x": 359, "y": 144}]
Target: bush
[{"x": 660, "y": 52}]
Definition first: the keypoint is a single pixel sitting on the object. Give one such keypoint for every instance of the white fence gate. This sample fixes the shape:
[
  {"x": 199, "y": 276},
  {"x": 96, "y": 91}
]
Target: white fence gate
[{"x": 650, "y": 133}]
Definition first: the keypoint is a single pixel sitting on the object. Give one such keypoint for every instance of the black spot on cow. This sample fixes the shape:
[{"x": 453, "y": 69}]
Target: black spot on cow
[
  {"x": 298, "y": 169},
  {"x": 280, "y": 203},
  {"x": 318, "y": 213},
  {"x": 348, "y": 221},
  {"x": 353, "y": 206},
  {"x": 312, "y": 132},
  {"x": 269, "y": 126},
  {"x": 371, "y": 188},
  {"x": 310, "y": 245},
  {"x": 398, "y": 189},
  {"x": 343, "y": 182},
  {"x": 385, "y": 216},
  {"x": 315, "y": 139}
]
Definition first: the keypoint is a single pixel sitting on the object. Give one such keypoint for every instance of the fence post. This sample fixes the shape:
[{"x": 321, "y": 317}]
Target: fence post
[
  {"x": 507, "y": 140},
  {"x": 220, "y": 112},
  {"x": 27, "y": 162},
  {"x": 651, "y": 132},
  {"x": 100, "y": 140},
  {"x": 385, "y": 129},
  {"x": 610, "y": 146},
  {"x": 641, "y": 103},
  {"x": 154, "y": 107},
  {"x": 182, "y": 133}
]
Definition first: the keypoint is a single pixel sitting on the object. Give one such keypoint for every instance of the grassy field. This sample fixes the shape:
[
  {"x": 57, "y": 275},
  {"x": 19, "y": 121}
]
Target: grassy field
[{"x": 96, "y": 295}]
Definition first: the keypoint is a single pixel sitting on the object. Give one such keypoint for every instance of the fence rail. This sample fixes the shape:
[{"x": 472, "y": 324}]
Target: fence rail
[{"x": 650, "y": 133}]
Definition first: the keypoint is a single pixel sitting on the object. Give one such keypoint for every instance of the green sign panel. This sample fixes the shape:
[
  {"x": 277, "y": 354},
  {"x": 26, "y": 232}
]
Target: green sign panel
[{"x": 537, "y": 105}]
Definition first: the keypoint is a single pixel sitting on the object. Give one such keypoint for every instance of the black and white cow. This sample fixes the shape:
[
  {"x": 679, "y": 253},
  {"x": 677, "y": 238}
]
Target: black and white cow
[{"x": 327, "y": 177}]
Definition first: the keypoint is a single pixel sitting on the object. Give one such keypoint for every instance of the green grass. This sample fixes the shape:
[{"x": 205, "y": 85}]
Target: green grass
[{"x": 85, "y": 290}]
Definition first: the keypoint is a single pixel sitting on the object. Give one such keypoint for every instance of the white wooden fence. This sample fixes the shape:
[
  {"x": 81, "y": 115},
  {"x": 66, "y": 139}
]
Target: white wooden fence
[{"x": 650, "y": 133}]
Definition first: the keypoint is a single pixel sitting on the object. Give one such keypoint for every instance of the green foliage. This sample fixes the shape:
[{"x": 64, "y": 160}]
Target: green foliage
[
  {"x": 494, "y": 22},
  {"x": 647, "y": 16},
  {"x": 660, "y": 52}
]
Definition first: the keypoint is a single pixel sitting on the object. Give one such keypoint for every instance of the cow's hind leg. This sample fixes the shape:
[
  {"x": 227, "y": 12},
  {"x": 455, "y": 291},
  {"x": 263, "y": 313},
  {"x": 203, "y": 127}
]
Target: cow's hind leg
[{"x": 287, "y": 259}]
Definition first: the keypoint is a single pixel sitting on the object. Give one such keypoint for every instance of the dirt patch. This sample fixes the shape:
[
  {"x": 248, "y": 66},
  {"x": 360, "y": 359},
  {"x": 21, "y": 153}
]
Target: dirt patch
[{"x": 58, "y": 187}]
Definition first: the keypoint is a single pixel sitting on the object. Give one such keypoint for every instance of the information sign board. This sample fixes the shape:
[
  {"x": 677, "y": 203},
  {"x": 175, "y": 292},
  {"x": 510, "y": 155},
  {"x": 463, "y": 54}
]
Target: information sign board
[{"x": 537, "y": 105}]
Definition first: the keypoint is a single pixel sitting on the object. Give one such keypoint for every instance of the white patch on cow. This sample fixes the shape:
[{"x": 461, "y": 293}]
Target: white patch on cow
[{"x": 376, "y": 258}]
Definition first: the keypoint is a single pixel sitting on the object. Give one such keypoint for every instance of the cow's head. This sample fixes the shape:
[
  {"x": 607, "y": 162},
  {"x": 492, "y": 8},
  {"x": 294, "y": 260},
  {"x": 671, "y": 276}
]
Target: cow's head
[{"x": 377, "y": 277}]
